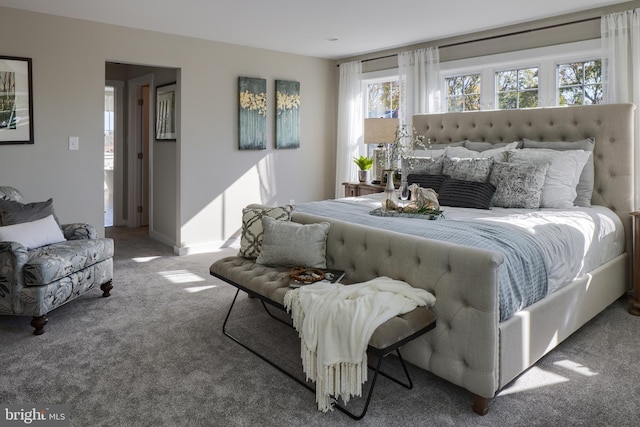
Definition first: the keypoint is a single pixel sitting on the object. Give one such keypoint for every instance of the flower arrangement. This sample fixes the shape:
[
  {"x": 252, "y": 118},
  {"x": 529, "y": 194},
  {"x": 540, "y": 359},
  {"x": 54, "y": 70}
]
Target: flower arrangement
[{"x": 405, "y": 142}]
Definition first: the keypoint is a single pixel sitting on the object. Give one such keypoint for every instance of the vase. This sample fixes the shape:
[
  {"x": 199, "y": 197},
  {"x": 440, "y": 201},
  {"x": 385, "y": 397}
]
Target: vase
[
  {"x": 389, "y": 197},
  {"x": 363, "y": 175}
]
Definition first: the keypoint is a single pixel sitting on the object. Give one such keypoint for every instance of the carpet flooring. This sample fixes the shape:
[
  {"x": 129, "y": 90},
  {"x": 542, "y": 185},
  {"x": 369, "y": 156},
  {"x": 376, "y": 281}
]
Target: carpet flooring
[{"x": 153, "y": 354}]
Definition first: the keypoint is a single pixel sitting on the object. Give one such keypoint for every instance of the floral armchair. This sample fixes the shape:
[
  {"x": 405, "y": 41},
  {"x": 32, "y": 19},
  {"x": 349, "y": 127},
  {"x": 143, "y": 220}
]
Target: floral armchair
[{"x": 35, "y": 278}]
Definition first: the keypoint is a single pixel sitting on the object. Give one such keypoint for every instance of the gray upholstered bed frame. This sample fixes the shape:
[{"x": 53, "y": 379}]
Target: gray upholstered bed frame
[{"x": 469, "y": 346}]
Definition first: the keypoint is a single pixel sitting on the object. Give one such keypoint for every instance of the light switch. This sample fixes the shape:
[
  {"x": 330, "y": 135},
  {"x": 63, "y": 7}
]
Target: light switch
[{"x": 74, "y": 143}]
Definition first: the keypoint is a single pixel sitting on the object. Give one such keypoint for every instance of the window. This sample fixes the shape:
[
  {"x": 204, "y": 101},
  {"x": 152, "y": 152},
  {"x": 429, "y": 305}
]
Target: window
[
  {"x": 580, "y": 83},
  {"x": 517, "y": 88},
  {"x": 463, "y": 92},
  {"x": 383, "y": 98},
  {"x": 564, "y": 74}
]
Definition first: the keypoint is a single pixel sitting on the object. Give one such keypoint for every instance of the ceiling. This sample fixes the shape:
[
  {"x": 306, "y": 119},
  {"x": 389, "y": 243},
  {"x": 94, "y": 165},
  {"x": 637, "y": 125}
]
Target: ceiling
[{"x": 309, "y": 27}]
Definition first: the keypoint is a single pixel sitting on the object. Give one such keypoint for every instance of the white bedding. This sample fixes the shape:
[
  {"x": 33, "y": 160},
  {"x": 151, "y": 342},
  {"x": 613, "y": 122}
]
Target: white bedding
[{"x": 574, "y": 241}]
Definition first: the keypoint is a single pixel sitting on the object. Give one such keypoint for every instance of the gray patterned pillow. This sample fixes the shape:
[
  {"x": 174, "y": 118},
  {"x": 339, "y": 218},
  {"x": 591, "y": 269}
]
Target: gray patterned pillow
[
  {"x": 518, "y": 185},
  {"x": 293, "y": 244},
  {"x": 477, "y": 170},
  {"x": 252, "y": 231},
  {"x": 421, "y": 165}
]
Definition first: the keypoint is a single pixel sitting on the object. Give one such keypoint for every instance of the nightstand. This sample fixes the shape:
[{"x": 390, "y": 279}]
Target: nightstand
[
  {"x": 355, "y": 189},
  {"x": 635, "y": 260}
]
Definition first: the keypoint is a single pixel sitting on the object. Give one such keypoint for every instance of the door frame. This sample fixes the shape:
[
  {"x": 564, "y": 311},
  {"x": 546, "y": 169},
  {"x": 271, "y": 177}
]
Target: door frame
[
  {"x": 134, "y": 146},
  {"x": 119, "y": 153}
]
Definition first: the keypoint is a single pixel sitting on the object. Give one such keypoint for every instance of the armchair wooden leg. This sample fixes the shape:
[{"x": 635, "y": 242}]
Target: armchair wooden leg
[
  {"x": 38, "y": 323},
  {"x": 106, "y": 288}
]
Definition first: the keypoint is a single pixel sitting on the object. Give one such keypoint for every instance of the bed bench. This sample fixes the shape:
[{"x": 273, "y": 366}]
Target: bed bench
[{"x": 269, "y": 284}]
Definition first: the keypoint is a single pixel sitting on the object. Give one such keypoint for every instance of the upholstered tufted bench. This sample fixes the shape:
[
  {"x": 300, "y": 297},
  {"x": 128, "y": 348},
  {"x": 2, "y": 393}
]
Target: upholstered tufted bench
[{"x": 270, "y": 284}]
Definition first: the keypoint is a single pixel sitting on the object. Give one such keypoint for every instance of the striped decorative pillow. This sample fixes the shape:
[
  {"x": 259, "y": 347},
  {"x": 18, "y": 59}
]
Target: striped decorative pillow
[
  {"x": 466, "y": 194},
  {"x": 427, "y": 181}
]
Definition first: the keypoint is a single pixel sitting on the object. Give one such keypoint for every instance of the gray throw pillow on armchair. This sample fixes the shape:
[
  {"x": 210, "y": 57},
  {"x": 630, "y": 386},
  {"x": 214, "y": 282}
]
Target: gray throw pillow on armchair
[
  {"x": 12, "y": 212},
  {"x": 293, "y": 244}
]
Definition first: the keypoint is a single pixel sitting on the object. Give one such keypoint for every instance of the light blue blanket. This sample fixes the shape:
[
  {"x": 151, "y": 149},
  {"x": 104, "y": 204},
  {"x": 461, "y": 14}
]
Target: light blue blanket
[{"x": 522, "y": 277}]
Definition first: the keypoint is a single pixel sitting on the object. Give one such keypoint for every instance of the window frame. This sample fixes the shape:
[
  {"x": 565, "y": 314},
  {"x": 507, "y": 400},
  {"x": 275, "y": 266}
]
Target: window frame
[
  {"x": 546, "y": 59},
  {"x": 375, "y": 77}
]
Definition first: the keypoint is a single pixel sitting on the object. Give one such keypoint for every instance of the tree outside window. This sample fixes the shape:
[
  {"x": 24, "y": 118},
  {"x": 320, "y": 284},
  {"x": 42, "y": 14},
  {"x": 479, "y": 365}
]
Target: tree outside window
[
  {"x": 580, "y": 83},
  {"x": 517, "y": 88},
  {"x": 383, "y": 99},
  {"x": 463, "y": 92}
]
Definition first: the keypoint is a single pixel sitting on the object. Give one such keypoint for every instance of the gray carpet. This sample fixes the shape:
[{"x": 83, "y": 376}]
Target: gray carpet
[{"x": 153, "y": 354}]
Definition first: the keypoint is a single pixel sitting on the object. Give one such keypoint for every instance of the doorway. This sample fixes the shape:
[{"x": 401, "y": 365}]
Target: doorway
[
  {"x": 140, "y": 164},
  {"x": 113, "y": 151}
]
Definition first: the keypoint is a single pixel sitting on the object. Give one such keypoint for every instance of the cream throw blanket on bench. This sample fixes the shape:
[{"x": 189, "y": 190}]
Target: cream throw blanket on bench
[{"x": 335, "y": 323}]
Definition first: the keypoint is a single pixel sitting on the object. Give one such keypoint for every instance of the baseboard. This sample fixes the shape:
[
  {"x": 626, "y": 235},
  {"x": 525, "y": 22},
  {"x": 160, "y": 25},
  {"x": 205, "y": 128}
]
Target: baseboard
[
  {"x": 205, "y": 247},
  {"x": 161, "y": 238}
]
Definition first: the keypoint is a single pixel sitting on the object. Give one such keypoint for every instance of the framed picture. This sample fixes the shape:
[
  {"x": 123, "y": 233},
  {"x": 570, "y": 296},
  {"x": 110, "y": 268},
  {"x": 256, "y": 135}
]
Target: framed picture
[
  {"x": 252, "y": 113},
  {"x": 166, "y": 112},
  {"x": 16, "y": 101},
  {"x": 287, "y": 114}
]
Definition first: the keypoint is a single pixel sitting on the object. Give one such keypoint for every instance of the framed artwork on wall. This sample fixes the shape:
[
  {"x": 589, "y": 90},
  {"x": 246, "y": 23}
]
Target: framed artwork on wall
[
  {"x": 252, "y": 113},
  {"x": 166, "y": 112},
  {"x": 16, "y": 101},
  {"x": 287, "y": 114}
]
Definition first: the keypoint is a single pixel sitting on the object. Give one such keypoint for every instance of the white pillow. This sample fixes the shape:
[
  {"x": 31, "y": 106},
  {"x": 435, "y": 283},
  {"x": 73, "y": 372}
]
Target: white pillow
[
  {"x": 559, "y": 190},
  {"x": 496, "y": 154},
  {"x": 587, "y": 178},
  {"x": 35, "y": 234}
]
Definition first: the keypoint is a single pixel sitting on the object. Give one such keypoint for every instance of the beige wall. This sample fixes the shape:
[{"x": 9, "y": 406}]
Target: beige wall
[{"x": 214, "y": 180}]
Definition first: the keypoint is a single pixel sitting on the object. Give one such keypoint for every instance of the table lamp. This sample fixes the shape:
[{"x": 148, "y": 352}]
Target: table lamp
[{"x": 381, "y": 132}]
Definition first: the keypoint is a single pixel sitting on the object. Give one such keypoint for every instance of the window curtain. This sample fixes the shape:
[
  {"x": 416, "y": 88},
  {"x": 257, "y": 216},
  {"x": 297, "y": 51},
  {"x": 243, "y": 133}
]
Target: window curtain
[
  {"x": 350, "y": 123},
  {"x": 620, "y": 38},
  {"x": 419, "y": 86}
]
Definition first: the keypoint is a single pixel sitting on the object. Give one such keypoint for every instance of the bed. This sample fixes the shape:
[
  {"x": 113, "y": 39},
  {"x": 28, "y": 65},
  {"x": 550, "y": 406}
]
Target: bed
[{"x": 475, "y": 345}]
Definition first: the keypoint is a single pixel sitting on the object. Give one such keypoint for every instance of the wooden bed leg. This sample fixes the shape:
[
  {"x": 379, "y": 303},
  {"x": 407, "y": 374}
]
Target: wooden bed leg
[
  {"x": 480, "y": 405},
  {"x": 634, "y": 308}
]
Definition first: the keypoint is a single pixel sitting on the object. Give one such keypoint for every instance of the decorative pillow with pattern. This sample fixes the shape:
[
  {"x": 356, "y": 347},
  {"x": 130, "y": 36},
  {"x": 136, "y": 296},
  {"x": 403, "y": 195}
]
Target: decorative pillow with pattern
[
  {"x": 559, "y": 190},
  {"x": 467, "y": 169},
  {"x": 518, "y": 185},
  {"x": 426, "y": 181},
  {"x": 421, "y": 165},
  {"x": 293, "y": 244},
  {"x": 466, "y": 194},
  {"x": 252, "y": 231}
]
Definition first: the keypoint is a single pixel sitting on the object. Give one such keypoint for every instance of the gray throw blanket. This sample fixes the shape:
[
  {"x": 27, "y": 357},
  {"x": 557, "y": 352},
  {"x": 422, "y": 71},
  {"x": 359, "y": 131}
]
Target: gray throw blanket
[{"x": 522, "y": 277}]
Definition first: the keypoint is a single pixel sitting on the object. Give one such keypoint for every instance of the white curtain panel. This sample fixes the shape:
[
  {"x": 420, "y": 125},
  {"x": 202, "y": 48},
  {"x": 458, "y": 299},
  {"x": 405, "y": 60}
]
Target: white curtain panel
[
  {"x": 620, "y": 37},
  {"x": 419, "y": 87},
  {"x": 350, "y": 123}
]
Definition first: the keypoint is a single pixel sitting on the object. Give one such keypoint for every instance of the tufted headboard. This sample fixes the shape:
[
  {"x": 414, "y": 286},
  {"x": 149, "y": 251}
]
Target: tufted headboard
[{"x": 611, "y": 125}]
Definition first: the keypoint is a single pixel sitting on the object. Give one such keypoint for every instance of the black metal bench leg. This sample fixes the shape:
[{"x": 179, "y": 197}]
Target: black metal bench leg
[
  {"x": 369, "y": 394},
  {"x": 274, "y": 316},
  {"x": 305, "y": 384},
  {"x": 409, "y": 383}
]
